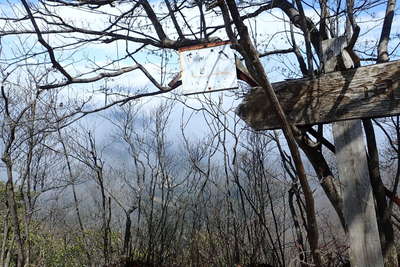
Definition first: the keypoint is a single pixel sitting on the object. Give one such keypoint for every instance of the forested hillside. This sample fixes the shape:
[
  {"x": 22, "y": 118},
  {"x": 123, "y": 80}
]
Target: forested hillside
[{"x": 104, "y": 162}]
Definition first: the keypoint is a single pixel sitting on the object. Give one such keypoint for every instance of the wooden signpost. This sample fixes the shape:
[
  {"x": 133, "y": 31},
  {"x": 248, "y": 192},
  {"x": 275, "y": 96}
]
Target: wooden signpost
[{"x": 341, "y": 97}]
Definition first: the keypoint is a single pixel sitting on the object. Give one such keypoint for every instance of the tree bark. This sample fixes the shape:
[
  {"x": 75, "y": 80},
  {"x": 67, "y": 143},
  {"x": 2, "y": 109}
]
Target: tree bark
[
  {"x": 254, "y": 65},
  {"x": 383, "y": 55},
  {"x": 382, "y": 208}
]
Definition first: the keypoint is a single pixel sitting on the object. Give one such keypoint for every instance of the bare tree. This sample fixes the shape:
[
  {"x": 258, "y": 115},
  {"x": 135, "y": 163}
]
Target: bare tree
[{"x": 159, "y": 29}]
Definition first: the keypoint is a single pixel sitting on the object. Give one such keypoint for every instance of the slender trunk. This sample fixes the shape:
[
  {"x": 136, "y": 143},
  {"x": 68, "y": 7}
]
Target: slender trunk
[
  {"x": 307, "y": 39},
  {"x": 127, "y": 235},
  {"x": 299, "y": 235},
  {"x": 254, "y": 65},
  {"x": 383, "y": 55},
  {"x": 383, "y": 212},
  {"x": 74, "y": 194},
  {"x": 105, "y": 226},
  {"x": 325, "y": 176},
  {"x": 6, "y": 231},
  {"x": 9, "y": 250},
  {"x": 12, "y": 204}
]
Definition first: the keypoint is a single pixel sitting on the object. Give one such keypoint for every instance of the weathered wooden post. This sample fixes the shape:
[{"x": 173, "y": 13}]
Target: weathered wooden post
[
  {"x": 351, "y": 159},
  {"x": 358, "y": 202}
]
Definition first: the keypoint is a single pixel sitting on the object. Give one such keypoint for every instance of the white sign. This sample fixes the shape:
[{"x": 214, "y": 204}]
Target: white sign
[{"x": 206, "y": 69}]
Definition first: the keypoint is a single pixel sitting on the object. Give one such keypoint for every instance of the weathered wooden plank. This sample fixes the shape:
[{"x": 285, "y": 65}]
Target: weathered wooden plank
[
  {"x": 364, "y": 92},
  {"x": 358, "y": 208}
]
